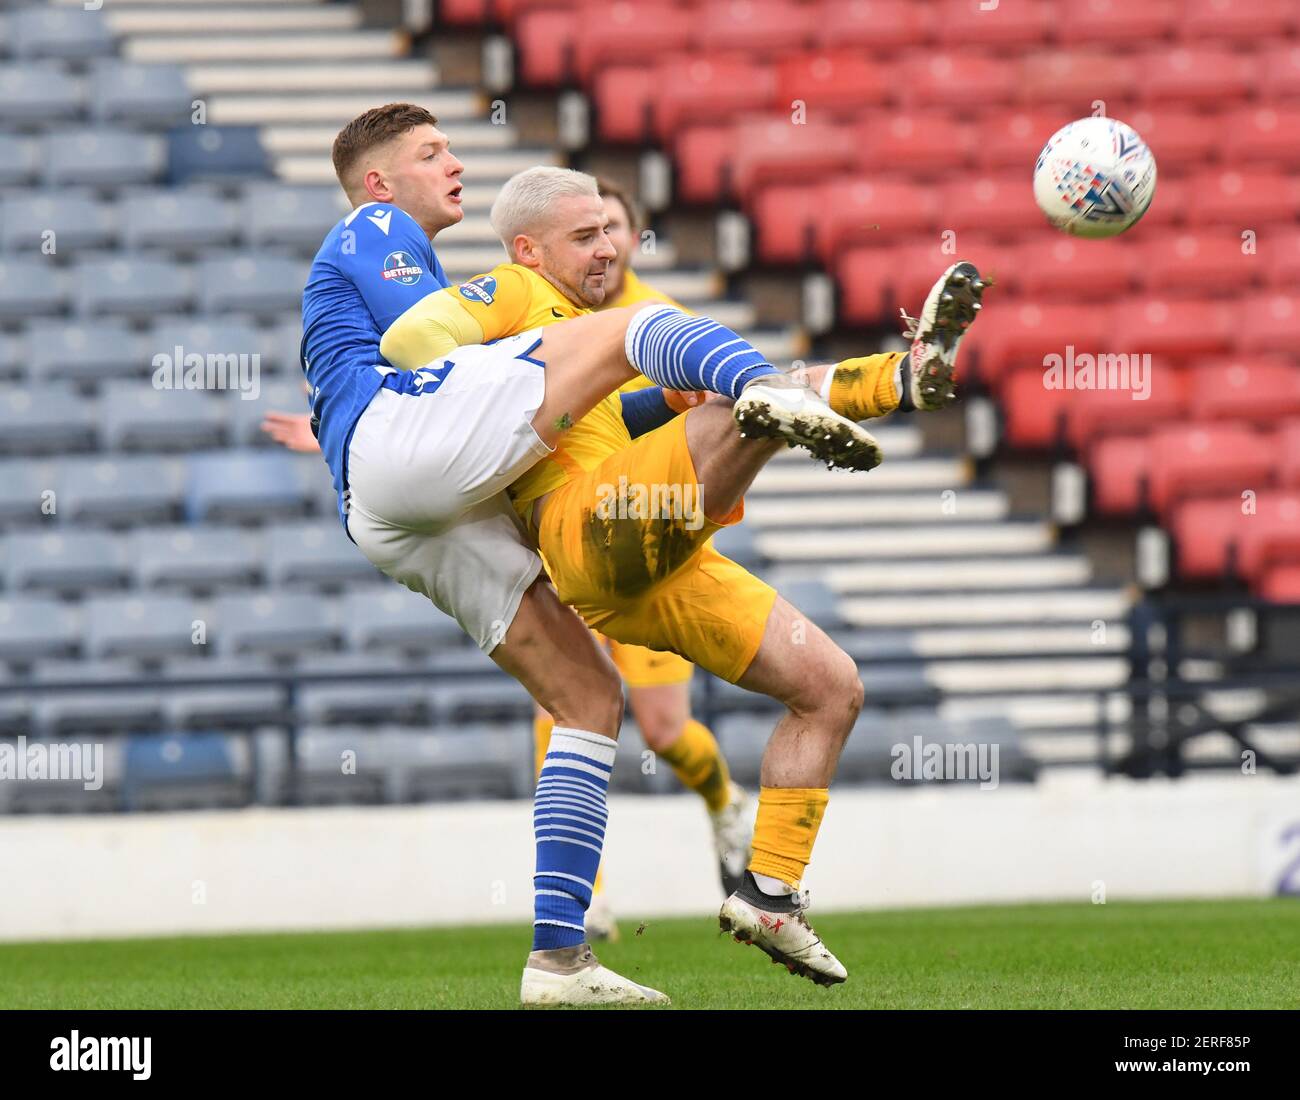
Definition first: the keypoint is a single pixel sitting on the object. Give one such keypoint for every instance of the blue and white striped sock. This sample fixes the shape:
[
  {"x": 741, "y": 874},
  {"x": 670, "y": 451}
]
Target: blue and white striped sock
[
  {"x": 680, "y": 352},
  {"x": 569, "y": 822}
]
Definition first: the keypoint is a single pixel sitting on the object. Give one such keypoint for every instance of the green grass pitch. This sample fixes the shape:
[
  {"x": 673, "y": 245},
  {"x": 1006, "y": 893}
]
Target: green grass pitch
[{"x": 1196, "y": 954}]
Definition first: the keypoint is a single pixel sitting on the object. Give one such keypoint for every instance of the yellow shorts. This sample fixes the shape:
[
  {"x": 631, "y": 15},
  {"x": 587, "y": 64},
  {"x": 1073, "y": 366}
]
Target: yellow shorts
[
  {"x": 626, "y": 545},
  {"x": 642, "y": 668}
]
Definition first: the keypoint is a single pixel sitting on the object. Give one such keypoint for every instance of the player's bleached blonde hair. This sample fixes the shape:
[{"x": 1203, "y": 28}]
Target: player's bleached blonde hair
[{"x": 524, "y": 201}]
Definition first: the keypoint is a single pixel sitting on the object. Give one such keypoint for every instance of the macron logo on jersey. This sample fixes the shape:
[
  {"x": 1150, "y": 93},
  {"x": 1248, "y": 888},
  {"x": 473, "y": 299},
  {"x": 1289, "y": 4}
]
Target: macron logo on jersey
[
  {"x": 400, "y": 266},
  {"x": 482, "y": 289},
  {"x": 381, "y": 221}
]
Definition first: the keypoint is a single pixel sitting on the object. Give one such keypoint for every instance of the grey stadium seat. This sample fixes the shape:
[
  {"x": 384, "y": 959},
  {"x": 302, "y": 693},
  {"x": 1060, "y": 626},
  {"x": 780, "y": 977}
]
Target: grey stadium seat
[
  {"x": 321, "y": 776},
  {"x": 93, "y": 350},
  {"x": 207, "y": 336},
  {"x": 281, "y": 395},
  {"x": 137, "y": 417},
  {"x": 39, "y": 92},
  {"x": 139, "y": 94},
  {"x": 27, "y": 492},
  {"x": 94, "y": 710},
  {"x": 227, "y": 704},
  {"x": 30, "y": 288},
  {"x": 119, "y": 491},
  {"x": 144, "y": 625},
  {"x": 474, "y": 762},
  {"x": 47, "y": 796},
  {"x": 284, "y": 622},
  {"x": 739, "y": 545},
  {"x": 132, "y": 286},
  {"x": 17, "y": 160},
  {"x": 46, "y": 419},
  {"x": 179, "y": 219},
  {"x": 33, "y": 627},
  {"x": 65, "y": 560},
  {"x": 257, "y": 283},
  {"x": 393, "y": 617},
  {"x": 67, "y": 32},
  {"x": 298, "y": 216},
  {"x": 244, "y": 485},
  {"x": 14, "y": 358},
  {"x": 76, "y": 220},
  {"x": 195, "y": 557},
  {"x": 104, "y": 157},
  {"x": 316, "y": 552},
  {"x": 493, "y": 698},
  {"x": 362, "y": 700}
]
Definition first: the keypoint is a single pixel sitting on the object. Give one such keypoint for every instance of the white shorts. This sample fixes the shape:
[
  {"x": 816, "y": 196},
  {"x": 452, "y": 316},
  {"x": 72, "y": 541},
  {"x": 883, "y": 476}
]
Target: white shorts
[{"x": 426, "y": 473}]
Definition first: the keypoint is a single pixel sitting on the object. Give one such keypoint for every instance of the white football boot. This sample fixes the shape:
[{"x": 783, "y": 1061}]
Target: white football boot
[
  {"x": 733, "y": 835},
  {"x": 950, "y": 308},
  {"x": 574, "y": 976},
  {"x": 778, "y": 407},
  {"x": 787, "y": 937}
]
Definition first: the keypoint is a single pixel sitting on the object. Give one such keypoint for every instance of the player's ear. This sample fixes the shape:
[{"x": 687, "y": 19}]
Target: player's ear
[
  {"x": 525, "y": 251},
  {"x": 376, "y": 186}
]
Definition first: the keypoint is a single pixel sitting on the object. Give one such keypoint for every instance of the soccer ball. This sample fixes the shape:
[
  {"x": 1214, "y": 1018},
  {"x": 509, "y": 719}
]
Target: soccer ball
[{"x": 1094, "y": 178}]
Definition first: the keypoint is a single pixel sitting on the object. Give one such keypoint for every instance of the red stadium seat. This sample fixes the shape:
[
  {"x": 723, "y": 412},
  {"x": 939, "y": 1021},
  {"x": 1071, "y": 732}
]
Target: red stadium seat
[
  {"x": 785, "y": 221},
  {"x": 623, "y": 98},
  {"x": 1076, "y": 79},
  {"x": 1248, "y": 20},
  {"x": 1178, "y": 137},
  {"x": 1264, "y": 135},
  {"x": 1119, "y": 466},
  {"x": 1092, "y": 414},
  {"x": 995, "y": 204},
  {"x": 755, "y": 27},
  {"x": 1288, "y": 450},
  {"x": 1270, "y": 323},
  {"x": 1279, "y": 249},
  {"x": 1013, "y": 139},
  {"x": 1208, "y": 534},
  {"x": 704, "y": 157},
  {"x": 1201, "y": 459},
  {"x": 1281, "y": 584},
  {"x": 630, "y": 33},
  {"x": 1242, "y": 198},
  {"x": 1023, "y": 334},
  {"x": 865, "y": 275},
  {"x": 873, "y": 24},
  {"x": 834, "y": 81},
  {"x": 691, "y": 89},
  {"x": 923, "y": 145},
  {"x": 1033, "y": 413},
  {"x": 1244, "y": 388},
  {"x": 1273, "y": 537},
  {"x": 955, "y": 79},
  {"x": 856, "y": 210},
  {"x": 1052, "y": 265},
  {"x": 917, "y": 264},
  {"x": 773, "y": 149},
  {"x": 1168, "y": 207},
  {"x": 465, "y": 13},
  {"x": 966, "y": 22},
  {"x": 1280, "y": 71},
  {"x": 1119, "y": 21},
  {"x": 1176, "y": 328},
  {"x": 545, "y": 41},
  {"x": 1196, "y": 74},
  {"x": 1197, "y": 262}
]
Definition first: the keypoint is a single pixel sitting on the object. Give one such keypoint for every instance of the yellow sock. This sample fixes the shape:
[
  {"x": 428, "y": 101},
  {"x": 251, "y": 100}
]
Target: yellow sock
[
  {"x": 541, "y": 742},
  {"x": 700, "y": 765},
  {"x": 864, "y": 387},
  {"x": 786, "y": 829}
]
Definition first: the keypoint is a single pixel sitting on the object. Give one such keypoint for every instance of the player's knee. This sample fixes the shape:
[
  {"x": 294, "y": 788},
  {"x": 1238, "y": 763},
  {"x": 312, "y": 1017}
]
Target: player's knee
[{"x": 847, "y": 691}]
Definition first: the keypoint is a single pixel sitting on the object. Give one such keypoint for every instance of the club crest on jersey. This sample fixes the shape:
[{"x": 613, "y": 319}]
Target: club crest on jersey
[
  {"x": 399, "y": 266},
  {"x": 483, "y": 289}
]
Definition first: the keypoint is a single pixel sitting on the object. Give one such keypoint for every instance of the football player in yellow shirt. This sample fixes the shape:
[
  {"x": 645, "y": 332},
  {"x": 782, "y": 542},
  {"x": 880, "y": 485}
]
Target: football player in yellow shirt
[{"x": 624, "y": 526}]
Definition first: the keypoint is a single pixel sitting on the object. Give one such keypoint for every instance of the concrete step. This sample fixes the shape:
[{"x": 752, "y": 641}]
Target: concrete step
[
  {"x": 769, "y": 512},
  {"x": 467, "y": 138},
  {"x": 807, "y": 478},
  {"x": 379, "y": 79},
  {"x": 1027, "y": 674},
  {"x": 1000, "y": 608},
  {"x": 993, "y": 641},
  {"x": 1044, "y": 571},
  {"x": 195, "y": 19},
  {"x": 230, "y": 109},
  {"x": 351, "y": 46}
]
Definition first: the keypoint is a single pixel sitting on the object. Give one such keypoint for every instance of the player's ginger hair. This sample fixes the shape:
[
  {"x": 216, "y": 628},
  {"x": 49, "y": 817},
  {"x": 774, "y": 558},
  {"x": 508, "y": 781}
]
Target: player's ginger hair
[
  {"x": 377, "y": 126},
  {"x": 525, "y": 200}
]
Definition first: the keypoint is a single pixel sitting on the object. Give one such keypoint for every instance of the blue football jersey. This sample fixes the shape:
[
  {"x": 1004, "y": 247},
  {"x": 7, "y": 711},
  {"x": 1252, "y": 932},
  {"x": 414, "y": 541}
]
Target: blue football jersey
[{"x": 374, "y": 265}]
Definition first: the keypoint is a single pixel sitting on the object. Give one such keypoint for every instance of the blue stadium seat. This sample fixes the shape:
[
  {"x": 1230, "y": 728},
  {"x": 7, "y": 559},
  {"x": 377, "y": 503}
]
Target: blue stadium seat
[
  {"x": 104, "y": 157},
  {"x": 216, "y": 153},
  {"x": 120, "y": 490},
  {"x": 65, "y": 560},
  {"x": 86, "y": 351},
  {"x": 97, "y": 710},
  {"x": 46, "y": 419},
  {"x": 297, "y": 216},
  {"x": 132, "y": 286},
  {"x": 140, "y": 95},
  {"x": 76, "y": 220},
  {"x": 39, "y": 92},
  {"x": 244, "y": 485},
  {"x": 18, "y": 163},
  {"x": 282, "y": 622},
  {"x": 176, "y": 219},
  {"x": 255, "y": 283},
  {"x": 144, "y": 625},
  {"x": 316, "y": 552},
  {"x": 278, "y": 396},
  {"x": 32, "y": 627},
  {"x": 27, "y": 492},
  {"x": 67, "y": 32},
  {"x": 137, "y": 417},
  {"x": 393, "y": 617},
  {"x": 31, "y": 288},
  {"x": 175, "y": 771},
  {"x": 195, "y": 557}
]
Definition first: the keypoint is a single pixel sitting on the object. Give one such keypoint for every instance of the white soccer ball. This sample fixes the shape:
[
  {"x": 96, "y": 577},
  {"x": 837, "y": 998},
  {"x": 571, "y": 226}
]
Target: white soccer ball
[{"x": 1094, "y": 177}]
